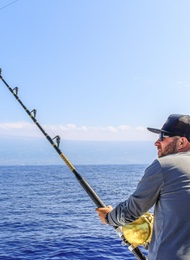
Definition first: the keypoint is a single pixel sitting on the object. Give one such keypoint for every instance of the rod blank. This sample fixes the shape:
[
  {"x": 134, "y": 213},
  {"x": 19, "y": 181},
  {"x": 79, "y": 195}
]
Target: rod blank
[{"x": 85, "y": 185}]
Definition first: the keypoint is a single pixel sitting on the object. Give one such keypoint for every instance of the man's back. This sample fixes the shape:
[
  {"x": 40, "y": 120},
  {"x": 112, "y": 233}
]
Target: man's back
[{"x": 171, "y": 237}]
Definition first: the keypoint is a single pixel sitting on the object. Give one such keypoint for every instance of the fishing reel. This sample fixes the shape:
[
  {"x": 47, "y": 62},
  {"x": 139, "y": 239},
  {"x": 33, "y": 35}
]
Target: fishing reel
[{"x": 139, "y": 232}]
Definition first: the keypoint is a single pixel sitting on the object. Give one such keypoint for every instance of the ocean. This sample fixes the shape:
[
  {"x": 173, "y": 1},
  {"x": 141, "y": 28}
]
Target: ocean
[{"x": 45, "y": 213}]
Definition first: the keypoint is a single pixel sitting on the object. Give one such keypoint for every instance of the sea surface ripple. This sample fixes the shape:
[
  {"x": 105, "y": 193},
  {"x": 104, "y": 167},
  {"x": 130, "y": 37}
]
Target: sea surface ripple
[{"x": 45, "y": 213}]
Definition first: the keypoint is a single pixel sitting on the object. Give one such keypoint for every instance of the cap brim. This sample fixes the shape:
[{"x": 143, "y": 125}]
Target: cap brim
[
  {"x": 154, "y": 130},
  {"x": 158, "y": 131}
]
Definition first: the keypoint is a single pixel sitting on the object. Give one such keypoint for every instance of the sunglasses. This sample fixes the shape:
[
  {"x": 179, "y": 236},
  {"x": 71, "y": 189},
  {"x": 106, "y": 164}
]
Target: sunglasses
[{"x": 164, "y": 135}]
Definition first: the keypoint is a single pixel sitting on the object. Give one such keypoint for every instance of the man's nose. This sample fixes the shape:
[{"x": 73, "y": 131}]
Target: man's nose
[{"x": 157, "y": 142}]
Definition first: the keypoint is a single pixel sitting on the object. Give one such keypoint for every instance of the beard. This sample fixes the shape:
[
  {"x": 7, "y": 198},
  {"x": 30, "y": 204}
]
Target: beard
[{"x": 169, "y": 149}]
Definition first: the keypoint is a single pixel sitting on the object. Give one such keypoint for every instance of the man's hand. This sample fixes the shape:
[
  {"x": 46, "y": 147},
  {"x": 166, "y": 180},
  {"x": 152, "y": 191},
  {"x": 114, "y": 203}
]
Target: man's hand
[{"x": 102, "y": 212}]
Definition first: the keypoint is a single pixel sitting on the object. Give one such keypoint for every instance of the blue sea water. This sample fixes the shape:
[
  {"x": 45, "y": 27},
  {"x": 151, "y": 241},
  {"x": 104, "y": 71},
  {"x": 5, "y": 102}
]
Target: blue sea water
[{"x": 45, "y": 213}]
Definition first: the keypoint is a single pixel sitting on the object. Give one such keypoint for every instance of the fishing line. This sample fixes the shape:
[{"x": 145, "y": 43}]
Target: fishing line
[
  {"x": 81, "y": 158},
  {"x": 84, "y": 163},
  {"x": 84, "y": 184},
  {"x": 5, "y": 6},
  {"x": 87, "y": 166},
  {"x": 92, "y": 172}
]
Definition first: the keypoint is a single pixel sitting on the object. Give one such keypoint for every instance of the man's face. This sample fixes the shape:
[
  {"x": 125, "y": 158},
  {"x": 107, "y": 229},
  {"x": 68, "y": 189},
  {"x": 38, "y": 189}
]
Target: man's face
[{"x": 166, "y": 146}]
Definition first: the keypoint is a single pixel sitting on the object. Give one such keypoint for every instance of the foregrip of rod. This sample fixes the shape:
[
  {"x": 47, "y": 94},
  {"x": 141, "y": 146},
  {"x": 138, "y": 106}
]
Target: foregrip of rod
[
  {"x": 91, "y": 193},
  {"x": 100, "y": 204}
]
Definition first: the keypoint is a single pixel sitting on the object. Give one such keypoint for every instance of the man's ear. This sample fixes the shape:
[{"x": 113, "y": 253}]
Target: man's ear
[{"x": 182, "y": 142}]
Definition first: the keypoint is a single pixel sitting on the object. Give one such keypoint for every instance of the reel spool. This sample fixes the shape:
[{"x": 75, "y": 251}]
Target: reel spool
[{"x": 139, "y": 232}]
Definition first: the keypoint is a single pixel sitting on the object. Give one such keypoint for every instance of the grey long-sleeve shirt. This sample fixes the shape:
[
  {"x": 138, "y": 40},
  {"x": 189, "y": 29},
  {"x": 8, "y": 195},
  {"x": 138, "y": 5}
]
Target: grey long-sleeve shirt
[{"x": 166, "y": 186}]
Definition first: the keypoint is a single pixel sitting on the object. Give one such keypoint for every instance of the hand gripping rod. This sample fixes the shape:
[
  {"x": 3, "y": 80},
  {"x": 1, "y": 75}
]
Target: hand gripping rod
[{"x": 85, "y": 185}]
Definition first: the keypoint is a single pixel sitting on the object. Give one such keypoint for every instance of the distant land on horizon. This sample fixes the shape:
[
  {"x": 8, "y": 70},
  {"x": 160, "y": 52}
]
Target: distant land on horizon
[{"x": 38, "y": 151}]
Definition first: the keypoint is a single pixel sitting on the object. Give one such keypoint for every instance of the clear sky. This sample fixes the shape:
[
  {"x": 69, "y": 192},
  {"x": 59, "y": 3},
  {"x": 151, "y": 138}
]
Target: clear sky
[{"x": 94, "y": 69}]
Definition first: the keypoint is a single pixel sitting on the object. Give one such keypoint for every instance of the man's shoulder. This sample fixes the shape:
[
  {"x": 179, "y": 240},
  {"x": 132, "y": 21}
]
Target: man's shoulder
[
  {"x": 155, "y": 167},
  {"x": 174, "y": 159},
  {"x": 174, "y": 156}
]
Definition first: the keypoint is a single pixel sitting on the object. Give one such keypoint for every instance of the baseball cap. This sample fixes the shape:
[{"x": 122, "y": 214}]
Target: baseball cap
[{"x": 175, "y": 125}]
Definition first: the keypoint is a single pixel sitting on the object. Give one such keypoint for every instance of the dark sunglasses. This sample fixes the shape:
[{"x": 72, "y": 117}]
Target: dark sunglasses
[{"x": 164, "y": 135}]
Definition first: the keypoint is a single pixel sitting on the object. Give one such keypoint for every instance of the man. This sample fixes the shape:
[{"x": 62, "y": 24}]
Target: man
[{"x": 166, "y": 186}]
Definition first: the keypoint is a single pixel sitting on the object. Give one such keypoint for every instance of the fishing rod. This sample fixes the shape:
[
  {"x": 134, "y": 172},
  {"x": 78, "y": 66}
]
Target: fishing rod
[{"x": 85, "y": 185}]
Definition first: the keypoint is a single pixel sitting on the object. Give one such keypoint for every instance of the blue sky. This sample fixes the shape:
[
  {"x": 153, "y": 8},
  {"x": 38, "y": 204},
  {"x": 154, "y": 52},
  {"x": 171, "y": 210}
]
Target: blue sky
[{"x": 94, "y": 70}]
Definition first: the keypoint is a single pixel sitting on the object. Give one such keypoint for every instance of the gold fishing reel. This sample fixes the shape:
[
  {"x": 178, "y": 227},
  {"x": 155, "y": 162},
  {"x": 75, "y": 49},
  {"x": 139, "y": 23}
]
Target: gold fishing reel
[{"x": 139, "y": 232}]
